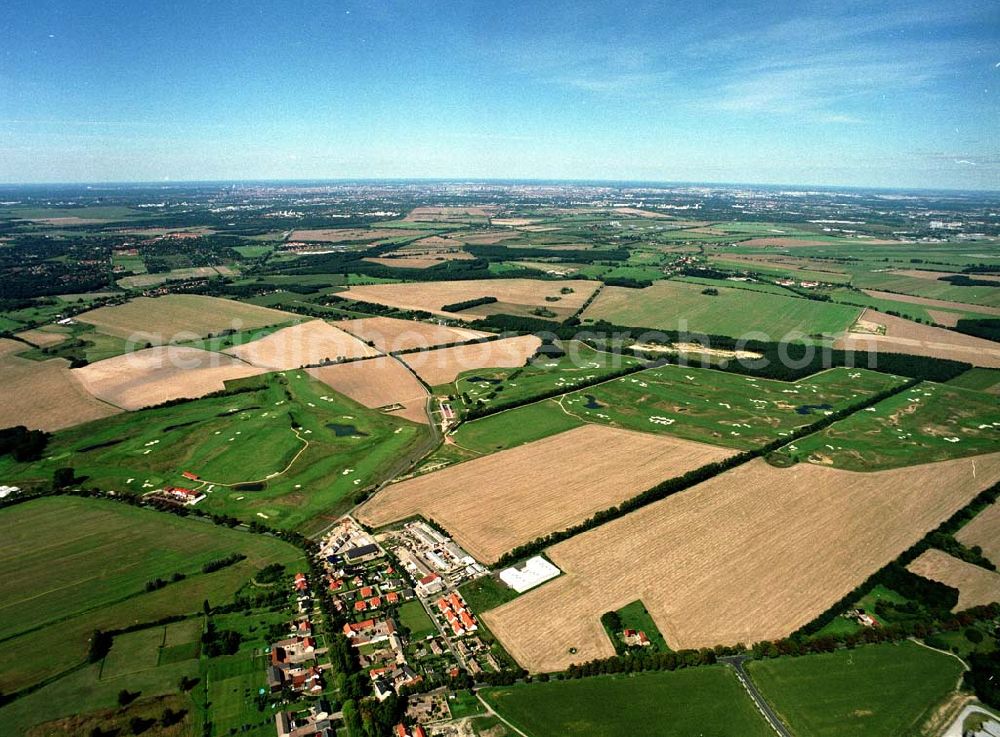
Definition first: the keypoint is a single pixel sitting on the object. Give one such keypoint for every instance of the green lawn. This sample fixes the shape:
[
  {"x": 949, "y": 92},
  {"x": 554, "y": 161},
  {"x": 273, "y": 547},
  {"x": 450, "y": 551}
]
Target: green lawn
[
  {"x": 237, "y": 439},
  {"x": 706, "y": 701},
  {"x": 634, "y": 616},
  {"x": 930, "y": 422},
  {"x": 498, "y": 386},
  {"x": 675, "y": 305},
  {"x": 980, "y": 379},
  {"x": 874, "y": 278},
  {"x": 515, "y": 427},
  {"x": 871, "y": 691},
  {"x": 463, "y": 704},
  {"x": 486, "y": 593},
  {"x": 92, "y": 570},
  {"x": 413, "y": 616},
  {"x": 696, "y": 404}
]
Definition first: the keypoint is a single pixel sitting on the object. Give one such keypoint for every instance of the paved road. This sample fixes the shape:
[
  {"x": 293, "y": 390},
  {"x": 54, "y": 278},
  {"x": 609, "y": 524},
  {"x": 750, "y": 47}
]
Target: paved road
[
  {"x": 736, "y": 661},
  {"x": 955, "y": 728}
]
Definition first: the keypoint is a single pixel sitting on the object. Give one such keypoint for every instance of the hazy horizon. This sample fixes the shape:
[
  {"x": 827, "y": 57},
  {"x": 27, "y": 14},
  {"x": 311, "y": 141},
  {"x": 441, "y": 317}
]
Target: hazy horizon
[{"x": 897, "y": 96}]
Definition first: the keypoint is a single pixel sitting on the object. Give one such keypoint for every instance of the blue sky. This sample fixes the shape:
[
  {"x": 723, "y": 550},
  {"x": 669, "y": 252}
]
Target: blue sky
[{"x": 853, "y": 93}]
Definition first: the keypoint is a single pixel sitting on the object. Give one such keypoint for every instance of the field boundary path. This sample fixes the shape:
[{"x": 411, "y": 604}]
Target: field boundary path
[
  {"x": 736, "y": 661},
  {"x": 490, "y": 711}
]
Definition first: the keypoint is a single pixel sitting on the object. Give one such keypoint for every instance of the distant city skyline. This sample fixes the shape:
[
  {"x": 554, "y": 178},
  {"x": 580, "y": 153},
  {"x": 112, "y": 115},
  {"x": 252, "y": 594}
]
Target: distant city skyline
[{"x": 887, "y": 95}]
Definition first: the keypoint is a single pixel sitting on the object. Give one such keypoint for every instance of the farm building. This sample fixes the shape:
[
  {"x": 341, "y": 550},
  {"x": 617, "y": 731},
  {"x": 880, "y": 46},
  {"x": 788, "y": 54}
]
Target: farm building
[{"x": 535, "y": 571}]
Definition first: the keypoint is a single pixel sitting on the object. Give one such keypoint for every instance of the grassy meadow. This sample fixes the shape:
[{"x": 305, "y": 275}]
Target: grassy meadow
[
  {"x": 929, "y": 422},
  {"x": 706, "y": 701},
  {"x": 676, "y": 305},
  {"x": 871, "y": 691},
  {"x": 309, "y": 448},
  {"x": 705, "y": 405},
  {"x": 83, "y": 564}
]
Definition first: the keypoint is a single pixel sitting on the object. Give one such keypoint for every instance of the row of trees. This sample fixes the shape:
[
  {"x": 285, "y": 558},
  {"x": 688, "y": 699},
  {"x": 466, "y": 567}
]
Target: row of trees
[{"x": 691, "y": 478}]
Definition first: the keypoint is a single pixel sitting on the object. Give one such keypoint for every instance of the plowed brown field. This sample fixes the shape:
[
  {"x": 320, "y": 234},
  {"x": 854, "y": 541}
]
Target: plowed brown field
[
  {"x": 904, "y": 336},
  {"x": 377, "y": 382},
  {"x": 984, "y": 531},
  {"x": 495, "y": 503},
  {"x": 43, "y": 395},
  {"x": 976, "y": 586},
  {"x": 432, "y": 296},
  {"x": 177, "y": 317},
  {"x": 749, "y": 555},
  {"x": 155, "y": 375},
  {"x": 391, "y": 334},
  {"x": 301, "y": 345},
  {"x": 442, "y": 365}
]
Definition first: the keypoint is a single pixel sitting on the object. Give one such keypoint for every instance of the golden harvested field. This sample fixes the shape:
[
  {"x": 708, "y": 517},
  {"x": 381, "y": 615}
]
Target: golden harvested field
[
  {"x": 984, "y": 531},
  {"x": 976, "y": 586},
  {"x": 514, "y": 222},
  {"x": 751, "y": 554},
  {"x": 194, "y": 272},
  {"x": 480, "y": 238},
  {"x": 392, "y": 334},
  {"x": 43, "y": 395},
  {"x": 179, "y": 317},
  {"x": 927, "y": 302},
  {"x": 770, "y": 241},
  {"x": 636, "y": 212},
  {"x": 904, "y": 336},
  {"x": 948, "y": 319},
  {"x": 431, "y": 244},
  {"x": 495, "y": 503},
  {"x": 301, "y": 345},
  {"x": 446, "y": 214},
  {"x": 419, "y": 262},
  {"x": 42, "y": 338},
  {"x": 442, "y": 365},
  {"x": 936, "y": 275},
  {"x": 432, "y": 296},
  {"x": 339, "y": 235},
  {"x": 377, "y": 382},
  {"x": 155, "y": 375}
]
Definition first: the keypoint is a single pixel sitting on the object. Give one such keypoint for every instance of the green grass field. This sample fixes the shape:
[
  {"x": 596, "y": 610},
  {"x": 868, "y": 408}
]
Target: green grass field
[
  {"x": 753, "y": 286},
  {"x": 930, "y": 422},
  {"x": 931, "y": 288},
  {"x": 871, "y": 691},
  {"x": 236, "y": 439},
  {"x": 415, "y": 619},
  {"x": 92, "y": 570},
  {"x": 706, "y": 701},
  {"x": 696, "y": 404},
  {"x": 634, "y": 616},
  {"x": 675, "y": 305},
  {"x": 224, "y": 695},
  {"x": 486, "y": 593},
  {"x": 978, "y": 379},
  {"x": 503, "y": 385}
]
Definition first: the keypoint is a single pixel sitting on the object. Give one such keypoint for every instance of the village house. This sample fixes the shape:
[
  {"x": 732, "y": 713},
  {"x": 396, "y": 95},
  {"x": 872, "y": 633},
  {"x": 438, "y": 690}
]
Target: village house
[
  {"x": 293, "y": 650},
  {"x": 635, "y": 638},
  {"x": 369, "y": 631},
  {"x": 430, "y": 584}
]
